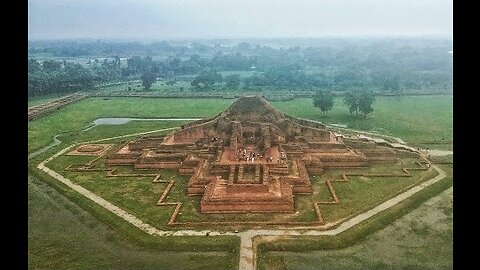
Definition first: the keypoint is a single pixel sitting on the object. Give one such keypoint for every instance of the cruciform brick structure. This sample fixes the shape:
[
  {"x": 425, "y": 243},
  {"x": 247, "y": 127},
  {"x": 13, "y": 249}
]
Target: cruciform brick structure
[{"x": 250, "y": 158}]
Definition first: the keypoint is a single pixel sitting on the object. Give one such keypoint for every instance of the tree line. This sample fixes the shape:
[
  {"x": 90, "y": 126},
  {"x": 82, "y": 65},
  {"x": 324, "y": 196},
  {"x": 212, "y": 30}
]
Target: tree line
[
  {"x": 338, "y": 65},
  {"x": 57, "y": 77}
]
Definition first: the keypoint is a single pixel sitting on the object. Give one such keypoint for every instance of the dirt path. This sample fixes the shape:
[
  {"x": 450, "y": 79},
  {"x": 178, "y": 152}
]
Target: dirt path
[{"x": 54, "y": 143}]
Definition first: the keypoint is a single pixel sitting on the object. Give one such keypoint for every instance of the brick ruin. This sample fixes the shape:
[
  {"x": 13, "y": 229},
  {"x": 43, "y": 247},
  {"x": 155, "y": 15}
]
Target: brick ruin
[
  {"x": 250, "y": 158},
  {"x": 90, "y": 150}
]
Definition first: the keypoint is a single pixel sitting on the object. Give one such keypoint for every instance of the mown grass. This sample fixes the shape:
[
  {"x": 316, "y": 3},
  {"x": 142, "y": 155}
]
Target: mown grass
[
  {"x": 362, "y": 193},
  {"x": 108, "y": 131},
  {"x": 427, "y": 249},
  {"x": 79, "y": 115},
  {"x": 61, "y": 228},
  {"x": 139, "y": 195},
  {"x": 85, "y": 246},
  {"x": 418, "y": 120}
]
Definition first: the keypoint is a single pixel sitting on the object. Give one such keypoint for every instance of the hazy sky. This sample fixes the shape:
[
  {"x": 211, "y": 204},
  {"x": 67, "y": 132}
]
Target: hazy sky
[{"x": 170, "y": 19}]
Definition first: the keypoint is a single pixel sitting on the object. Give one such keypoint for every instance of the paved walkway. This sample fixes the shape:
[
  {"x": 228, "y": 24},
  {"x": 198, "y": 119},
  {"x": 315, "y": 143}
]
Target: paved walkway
[{"x": 247, "y": 253}]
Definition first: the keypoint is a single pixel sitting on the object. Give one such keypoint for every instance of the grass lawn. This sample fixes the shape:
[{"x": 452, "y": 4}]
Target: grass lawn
[
  {"x": 139, "y": 195},
  {"x": 79, "y": 115},
  {"x": 62, "y": 235},
  {"x": 422, "y": 239},
  {"x": 418, "y": 120},
  {"x": 362, "y": 193}
]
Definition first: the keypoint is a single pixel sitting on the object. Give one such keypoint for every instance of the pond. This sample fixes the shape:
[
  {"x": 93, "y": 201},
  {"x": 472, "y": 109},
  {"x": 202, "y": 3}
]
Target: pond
[{"x": 124, "y": 120}]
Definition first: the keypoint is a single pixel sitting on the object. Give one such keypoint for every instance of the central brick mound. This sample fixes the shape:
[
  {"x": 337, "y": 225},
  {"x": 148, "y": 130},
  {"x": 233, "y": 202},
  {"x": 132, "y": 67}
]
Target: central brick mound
[{"x": 250, "y": 158}]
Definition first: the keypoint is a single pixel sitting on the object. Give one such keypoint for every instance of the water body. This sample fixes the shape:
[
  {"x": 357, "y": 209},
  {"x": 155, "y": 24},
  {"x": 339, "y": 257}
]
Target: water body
[
  {"x": 333, "y": 125},
  {"x": 124, "y": 120},
  {"x": 121, "y": 121},
  {"x": 436, "y": 152},
  {"x": 339, "y": 125}
]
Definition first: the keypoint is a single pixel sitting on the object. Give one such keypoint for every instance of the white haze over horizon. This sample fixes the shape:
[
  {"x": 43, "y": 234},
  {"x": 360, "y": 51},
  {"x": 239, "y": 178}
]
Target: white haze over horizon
[{"x": 239, "y": 19}]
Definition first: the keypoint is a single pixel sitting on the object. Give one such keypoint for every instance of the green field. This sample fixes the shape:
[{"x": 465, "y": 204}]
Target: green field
[
  {"x": 422, "y": 239},
  {"x": 419, "y": 120},
  {"x": 139, "y": 195},
  {"x": 62, "y": 235},
  {"x": 77, "y": 116}
]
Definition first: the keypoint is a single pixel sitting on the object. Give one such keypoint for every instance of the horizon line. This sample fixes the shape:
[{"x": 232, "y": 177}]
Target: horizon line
[{"x": 341, "y": 36}]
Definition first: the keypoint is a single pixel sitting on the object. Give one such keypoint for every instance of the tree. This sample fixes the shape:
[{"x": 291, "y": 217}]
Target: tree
[
  {"x": 117, "y": 60},
  {"x": 351, "y": 100},
  {"x": 393, "y": 85},
  {"x": 232, "y": 81},
  {"x": 148, "y": 78},
  {"x": 33, "y": 66},
  {"x": 51, "y": 65},
  {"x": 365, "y": 101},
  {"x": 323, "y": 100},
  {"x": 206, "y": 79},
  {"x": 76, "y": 77}
]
